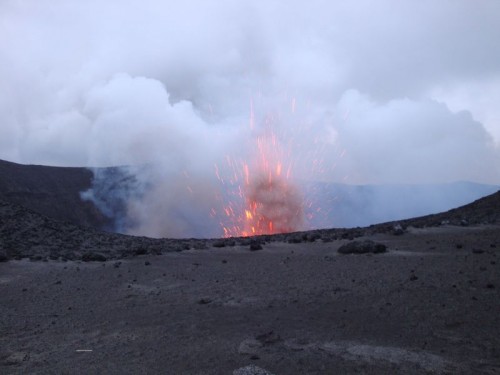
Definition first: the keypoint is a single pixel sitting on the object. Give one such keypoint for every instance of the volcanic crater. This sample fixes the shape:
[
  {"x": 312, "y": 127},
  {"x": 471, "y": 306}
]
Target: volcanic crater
[{"x": 76, "y": 299}]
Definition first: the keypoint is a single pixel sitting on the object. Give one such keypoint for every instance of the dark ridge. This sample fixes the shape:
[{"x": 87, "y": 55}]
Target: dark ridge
[
  {"x": 25, "y": 233},
  {"x": 485, "y": 210},
  {"x": 28, "y": 234},
  {"x": 51, "y": 191}
]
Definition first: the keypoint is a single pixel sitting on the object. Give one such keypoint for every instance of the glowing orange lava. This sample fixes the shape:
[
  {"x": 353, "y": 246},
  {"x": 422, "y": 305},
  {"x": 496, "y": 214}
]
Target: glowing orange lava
[{"x": 272, "y": 204}]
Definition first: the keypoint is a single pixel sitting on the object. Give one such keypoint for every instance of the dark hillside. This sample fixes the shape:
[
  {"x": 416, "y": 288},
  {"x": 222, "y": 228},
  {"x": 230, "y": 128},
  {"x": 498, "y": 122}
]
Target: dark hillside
[{"x": 51, "y": 191}]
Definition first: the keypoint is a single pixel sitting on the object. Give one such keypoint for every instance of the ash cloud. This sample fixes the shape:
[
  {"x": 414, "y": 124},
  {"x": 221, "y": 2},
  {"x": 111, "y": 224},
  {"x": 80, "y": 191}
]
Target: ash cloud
[{"x": 358, "y": 92}]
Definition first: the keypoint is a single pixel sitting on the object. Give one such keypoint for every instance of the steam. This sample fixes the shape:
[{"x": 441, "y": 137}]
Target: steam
[{"x": 358, "y": 93}]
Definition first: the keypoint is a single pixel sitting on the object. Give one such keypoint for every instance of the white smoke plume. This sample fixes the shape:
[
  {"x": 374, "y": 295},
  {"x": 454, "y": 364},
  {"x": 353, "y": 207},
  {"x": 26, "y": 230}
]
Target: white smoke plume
[{"x": 357, "y": 92}]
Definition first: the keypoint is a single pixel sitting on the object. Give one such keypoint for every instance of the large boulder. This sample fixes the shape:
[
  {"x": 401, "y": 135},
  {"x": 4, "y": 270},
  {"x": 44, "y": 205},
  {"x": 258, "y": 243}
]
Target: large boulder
[{"x": 362, "y": 247}]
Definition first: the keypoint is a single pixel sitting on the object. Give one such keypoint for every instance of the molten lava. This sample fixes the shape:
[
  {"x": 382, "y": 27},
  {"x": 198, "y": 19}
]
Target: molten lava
[
  {"x": 272, "y": 206},
  {"x": 272, "y": 203}
]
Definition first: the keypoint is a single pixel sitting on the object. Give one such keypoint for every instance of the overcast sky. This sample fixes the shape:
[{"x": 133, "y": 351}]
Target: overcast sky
[{"x": 377, "y": 91}]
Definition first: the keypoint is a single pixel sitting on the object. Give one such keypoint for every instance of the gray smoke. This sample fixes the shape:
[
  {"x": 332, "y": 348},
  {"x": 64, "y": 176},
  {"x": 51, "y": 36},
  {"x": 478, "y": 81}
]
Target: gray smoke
[{"x": 356, "y": 92}]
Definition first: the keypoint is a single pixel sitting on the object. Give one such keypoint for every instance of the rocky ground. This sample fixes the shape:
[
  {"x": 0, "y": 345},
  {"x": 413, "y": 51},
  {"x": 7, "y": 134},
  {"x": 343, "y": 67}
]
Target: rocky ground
[{"x": 80, "y": 301}]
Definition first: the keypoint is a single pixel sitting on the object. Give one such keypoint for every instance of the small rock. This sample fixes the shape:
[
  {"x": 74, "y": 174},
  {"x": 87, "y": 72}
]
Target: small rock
[
  {"x": 490, "y": 286},
  {"x": 362, "y": 247},
  {"x": 147, "y": 263},
  {"x": 93, "y": 257},
  {"x": 268, "y": 338},
  {"x": 413, "y": 278},
  {"x": 478, "y": 251},
  {"x": 255, "y": 245},
  {"x": 250, "y": 346},
  {"x": 140, "y": 251},
  {"x": 464, "y": 222},
  {"x": 16, "y": 358},
  {"x": 204, "y": 301},
  {"x": 251, "y": 370},
  {"x": 397, "y": 230}
]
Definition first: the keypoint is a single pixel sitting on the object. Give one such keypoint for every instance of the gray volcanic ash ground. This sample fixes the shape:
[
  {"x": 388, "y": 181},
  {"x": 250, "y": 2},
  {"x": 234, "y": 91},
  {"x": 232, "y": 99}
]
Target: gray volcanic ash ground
[{"x": 79, "y": 300}]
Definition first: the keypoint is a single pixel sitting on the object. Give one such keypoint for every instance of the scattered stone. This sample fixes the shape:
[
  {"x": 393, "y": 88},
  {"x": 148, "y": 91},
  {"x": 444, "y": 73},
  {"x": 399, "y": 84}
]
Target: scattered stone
[
  {"x": 397, "y": 230},
  {"x": 201, "y": 245},
  {"x": 362, "y": 247},
  {"x": 140, "y": 251},
  {"x": 464, "y": 222},
  {"x": 224, "y": 261},
  {"x": 250, "y": 346},
  {"x": 268, "y": 338},
  {"x": 251, "y": 370},
  {"x": 204, "y": 301},
  {"x": 413, "y": 278},
  {"x": 16, "y": 358},
  {"x": 117, "y": 264},
  {"x": 295, "y": 239},
  {"x": 477, "y": 251},
  {"x": 297, "y": 345},
  {"x": 147, "y": 263},
  {"x": 490, "y": 286},
  {"x": 255, "y": 245},
  {"x": 459, "y": 245},
  {"x": 93, "y": 257}
]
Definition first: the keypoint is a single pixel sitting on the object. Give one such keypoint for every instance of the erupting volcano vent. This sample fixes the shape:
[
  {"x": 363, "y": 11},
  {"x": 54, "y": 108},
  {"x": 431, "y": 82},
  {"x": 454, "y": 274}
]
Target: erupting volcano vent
[
  {"x": 272, "y": 206},
  {"x": 266, "y": 199},
  {"x": 272, "y": 203}
]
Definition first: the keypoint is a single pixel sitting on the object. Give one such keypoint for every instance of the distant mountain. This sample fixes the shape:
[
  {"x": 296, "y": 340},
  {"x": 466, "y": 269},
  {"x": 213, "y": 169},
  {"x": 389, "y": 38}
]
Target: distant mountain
[{"x": 348, "y": 206}]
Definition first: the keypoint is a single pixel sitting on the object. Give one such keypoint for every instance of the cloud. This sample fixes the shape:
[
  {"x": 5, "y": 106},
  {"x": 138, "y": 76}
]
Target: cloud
[
  {"x": 413, "y": 142},
  {"x": 362, "y": 92}
]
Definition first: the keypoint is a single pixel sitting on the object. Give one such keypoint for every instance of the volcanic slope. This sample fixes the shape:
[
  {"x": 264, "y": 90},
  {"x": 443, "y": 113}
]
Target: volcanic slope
[
  {"x": 28, "y": 234},
  {"x": 293, "y": 305},
  {"x": 51, "y": 191}
]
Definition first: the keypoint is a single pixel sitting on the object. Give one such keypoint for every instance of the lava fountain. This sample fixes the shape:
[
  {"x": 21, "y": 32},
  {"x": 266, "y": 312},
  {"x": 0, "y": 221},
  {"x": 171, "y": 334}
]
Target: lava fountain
[{"x": 272, "y": 203}]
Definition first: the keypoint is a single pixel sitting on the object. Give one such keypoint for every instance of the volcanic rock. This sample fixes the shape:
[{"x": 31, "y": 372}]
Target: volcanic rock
[
  {"x": 398, "y": 230},
  {"x": 362, "y": 247},
  {"x": 269, "y": 338},
  {"x": 255, "y": 245},
  {"x": 93, "y": 257},
  {"x": 250, "y": 346},
  {"x": 16, "y": 358},
  {"x": 251, "y": 370},
  {"x": 219, "y": 243}
]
